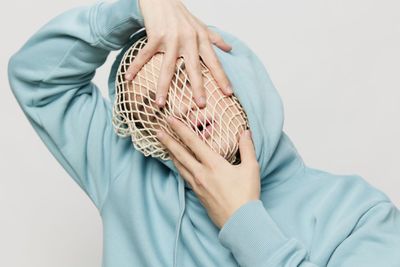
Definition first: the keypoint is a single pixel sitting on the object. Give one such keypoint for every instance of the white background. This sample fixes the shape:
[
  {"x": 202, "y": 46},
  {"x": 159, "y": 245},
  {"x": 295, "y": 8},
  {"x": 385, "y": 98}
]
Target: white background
[{"x": 336, "y": 65}]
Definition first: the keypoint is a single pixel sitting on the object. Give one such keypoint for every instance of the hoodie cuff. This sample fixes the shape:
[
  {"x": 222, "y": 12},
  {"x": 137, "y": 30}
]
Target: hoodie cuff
[
  {"x": 114, "y": 22},
  {"x": 251, "y": 234}
]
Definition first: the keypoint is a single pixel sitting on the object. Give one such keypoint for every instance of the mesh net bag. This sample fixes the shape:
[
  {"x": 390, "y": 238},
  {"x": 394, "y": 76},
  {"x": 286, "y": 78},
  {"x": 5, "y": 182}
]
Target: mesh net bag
[{"x": 136, "y": 114}]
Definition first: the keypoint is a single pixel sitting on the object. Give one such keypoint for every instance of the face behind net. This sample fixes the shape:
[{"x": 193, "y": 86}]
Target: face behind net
[{"x": 136, "y": 114}]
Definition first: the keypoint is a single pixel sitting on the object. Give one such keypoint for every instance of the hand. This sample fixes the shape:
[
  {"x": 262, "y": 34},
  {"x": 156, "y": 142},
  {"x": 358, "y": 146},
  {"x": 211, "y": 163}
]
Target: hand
[
  {"x": 221, "y": 187},
  {"x": 172, "y": 29}
]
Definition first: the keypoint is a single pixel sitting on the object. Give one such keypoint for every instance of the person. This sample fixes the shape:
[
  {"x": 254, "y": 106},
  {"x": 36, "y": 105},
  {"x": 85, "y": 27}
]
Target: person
[
  {"x": 135, "y": 111},
  {"x": 197, "y": 210}
]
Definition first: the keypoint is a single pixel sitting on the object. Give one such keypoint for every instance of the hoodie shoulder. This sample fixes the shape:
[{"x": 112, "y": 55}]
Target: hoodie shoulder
[
  {"x": 342, "y": 199},
  {"x": 351, "y": 185},
  {"x": 234, "y": 41}
]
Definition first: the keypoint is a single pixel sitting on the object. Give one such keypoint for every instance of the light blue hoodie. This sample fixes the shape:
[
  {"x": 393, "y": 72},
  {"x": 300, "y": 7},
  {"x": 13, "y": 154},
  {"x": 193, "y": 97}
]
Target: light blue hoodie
[{"x": 305, "y": 217}]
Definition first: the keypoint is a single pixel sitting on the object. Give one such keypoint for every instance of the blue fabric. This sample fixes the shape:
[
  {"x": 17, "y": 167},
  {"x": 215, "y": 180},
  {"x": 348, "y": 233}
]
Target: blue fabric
[{"x": 151, "y": 217}]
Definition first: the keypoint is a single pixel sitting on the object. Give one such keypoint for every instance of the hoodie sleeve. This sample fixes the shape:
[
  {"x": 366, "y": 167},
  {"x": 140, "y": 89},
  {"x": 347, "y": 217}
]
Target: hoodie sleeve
[
  {"x": 50, "y": 76},
  {"x": 256, "y": 241}
]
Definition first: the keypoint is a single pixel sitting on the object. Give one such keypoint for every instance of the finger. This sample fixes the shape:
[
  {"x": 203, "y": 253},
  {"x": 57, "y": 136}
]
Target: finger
[
  {"x": 219, "y": 41},
  {"x": 142, "y": 58},
  {"x": 167, "y": 71},
  {"x": 246, "y": 147},
  {"x": 184, "y": 172},
  {"x": 192, "y": 65},
  {"x": 213, "y": 64},
  {"x": 179, "y": 152},
  {"x": 213, "y": 36},
  {"x": 195, "y": 144}
]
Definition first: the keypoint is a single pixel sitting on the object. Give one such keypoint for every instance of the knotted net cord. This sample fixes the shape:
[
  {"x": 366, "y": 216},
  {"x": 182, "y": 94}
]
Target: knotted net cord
[{"x": 136, "y": 114}]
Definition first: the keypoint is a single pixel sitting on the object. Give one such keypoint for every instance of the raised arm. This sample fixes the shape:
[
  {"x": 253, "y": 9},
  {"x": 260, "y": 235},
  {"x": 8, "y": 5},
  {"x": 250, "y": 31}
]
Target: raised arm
[
  {"x": 177, "y": 32},
  {"x": 50, "y": 77}
]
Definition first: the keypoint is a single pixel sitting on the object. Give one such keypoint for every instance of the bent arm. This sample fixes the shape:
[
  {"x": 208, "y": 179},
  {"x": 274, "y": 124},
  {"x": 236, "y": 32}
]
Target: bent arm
[
  {"x": 50, "y": 76},
  {"x": 255, "y": 240}
]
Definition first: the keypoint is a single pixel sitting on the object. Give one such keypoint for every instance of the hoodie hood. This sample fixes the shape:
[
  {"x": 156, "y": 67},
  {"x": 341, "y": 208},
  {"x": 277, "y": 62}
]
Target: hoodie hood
[
  {"x": 143, "y": 203},
  {"x": 276, "y": 155}
]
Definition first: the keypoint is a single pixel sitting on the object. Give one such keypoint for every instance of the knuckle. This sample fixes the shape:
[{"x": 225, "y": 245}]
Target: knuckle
[
  {"x": 169, "y": 67},
  {"x": 213, "y": 37},
  {"x": 173, "y": 37},
  {"x": 189, "y": 34},
  {"x": 203, "y": 35},
  {"x": 217, "y": 37},
  {"x": 194, "y": 77},
  {"x": 156, "y": 35},
  {"x": 202, "y": 173},
  {"x": 194, "y": 69},
  {"x": 215, "y": 163},
  {"x": 154, "y": 44},
  {"x": 199, "y": 180},
  {"x": 190, "y": 142},
  {"x": 165, "y": 142},
  {"x": 162, "y": 35}
]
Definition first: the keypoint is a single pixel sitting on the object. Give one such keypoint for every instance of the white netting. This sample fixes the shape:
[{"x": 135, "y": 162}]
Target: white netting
[{"x": 136, "y": 114}]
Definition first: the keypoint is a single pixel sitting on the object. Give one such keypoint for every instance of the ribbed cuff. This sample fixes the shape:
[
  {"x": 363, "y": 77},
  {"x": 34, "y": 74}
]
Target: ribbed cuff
[
  {"x": 251, "y": 234},
  {"x": 114, "y": 22}
]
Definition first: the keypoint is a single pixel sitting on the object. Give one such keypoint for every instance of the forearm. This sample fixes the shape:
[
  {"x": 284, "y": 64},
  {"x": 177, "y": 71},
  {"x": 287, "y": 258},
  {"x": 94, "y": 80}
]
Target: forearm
[
  {"x": 50, "y": 77},
  {"x": 68, "y": 49},
  {"x": 255, "y": 240}
]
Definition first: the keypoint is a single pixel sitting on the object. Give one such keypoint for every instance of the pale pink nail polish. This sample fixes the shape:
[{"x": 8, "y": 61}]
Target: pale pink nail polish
[{"x": 160, "y": 101}]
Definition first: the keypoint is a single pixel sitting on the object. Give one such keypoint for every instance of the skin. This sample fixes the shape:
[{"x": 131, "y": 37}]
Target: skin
[
  {"x": 221, "y": 187},
  {"x": 226, "y": 121},
  {"x": 172, "y": 29}
]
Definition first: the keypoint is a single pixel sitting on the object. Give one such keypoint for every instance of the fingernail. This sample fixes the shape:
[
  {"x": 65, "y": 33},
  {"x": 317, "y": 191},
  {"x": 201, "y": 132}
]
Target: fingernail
[
  {"x": 229, "y": 89},
  {"x": 202, "y": 101},
  {"x": 160, "y": 134},
  {"x": 128, "y": 76},
  {"x": 248, "y": 132},
  {"x": 160, "y": 101}
]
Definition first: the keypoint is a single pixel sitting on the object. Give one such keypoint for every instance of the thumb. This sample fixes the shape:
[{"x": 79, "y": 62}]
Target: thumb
[{"x": 246, "y": 147}]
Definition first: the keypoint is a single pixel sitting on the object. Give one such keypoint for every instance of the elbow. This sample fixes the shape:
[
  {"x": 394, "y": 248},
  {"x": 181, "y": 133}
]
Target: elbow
[
  {"x": 23, "y": 67},
  {"x": 12, "y": 67},
  {"x": 18, "y": 80},
  {"x": 12, "y": 72},
  {"x": 17, "y": 70}
]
